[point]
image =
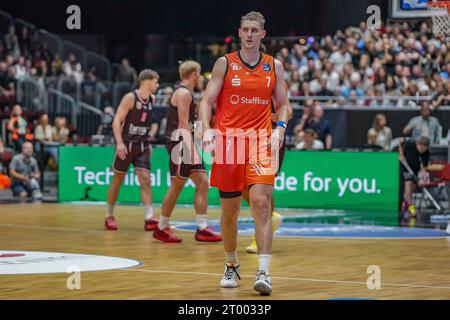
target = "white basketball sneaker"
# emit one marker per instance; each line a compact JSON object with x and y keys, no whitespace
{"x":230,"y":276}
{"x":448,"y":228}
{"x":263,"y":283}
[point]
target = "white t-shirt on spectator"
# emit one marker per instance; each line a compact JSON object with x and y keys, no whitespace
{"x":339,"y":60}
{"x":43,"y":133}
{"x":332,"y":80}
{"x":317,"y":145}
{"x":21,"y":71}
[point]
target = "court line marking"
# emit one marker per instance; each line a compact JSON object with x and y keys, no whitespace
{"x":293,"y":279}
{"x":182,"y":223}
{"x":343,"y":239}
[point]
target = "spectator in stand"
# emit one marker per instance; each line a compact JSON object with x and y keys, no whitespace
{"x":43,"y":133}
{"x":60,"y":130}
{"x":320,"y":126}
{"x":25,"y":174}
{"x":12,"y":43}
{"x":72,"y":69}
{"x":383,"y":133}
{"x":442,"y":95}
{"x":372,"y":140}
{"x":7,"y":87}
{"x":340,"y":57}
{"x":313,"y":118}
{"x":423,"y":125}
{"x":57,"y":68}
{"x":21,"y":70}
{"x":105,"y":127}
{"x":324,"y":91}
{"x":353,"y":90}
{"x":304,"y":120}
{"x":308,"y":72}
{"x":445,"y":74}
{"x":91,"y":74}
{"x":126,"y":73}
{"x":309,"y":141}
{"x":331,"y":76}
{"x":18,"y":128}
{"x":297,"y":57}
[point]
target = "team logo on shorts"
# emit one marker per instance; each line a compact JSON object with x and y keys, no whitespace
{"x":259,"y":169}
{"x":234,"y":99}
{"x":235,"y":66}
{"x":266,"y":66}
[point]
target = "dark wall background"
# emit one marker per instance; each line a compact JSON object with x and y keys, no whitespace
{"x":131,"y":28}
{"x":174,"y":17}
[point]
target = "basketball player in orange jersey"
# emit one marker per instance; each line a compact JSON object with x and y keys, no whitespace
{"x":243,"y":84}
{"x":131,"y":127}
{"x":181,"y":118}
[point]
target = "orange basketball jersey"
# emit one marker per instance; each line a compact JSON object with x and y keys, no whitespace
{"x":245,"y":99}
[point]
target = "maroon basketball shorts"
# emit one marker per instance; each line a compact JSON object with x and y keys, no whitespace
{"x":179,"y":169}
{"x":138,"y":155}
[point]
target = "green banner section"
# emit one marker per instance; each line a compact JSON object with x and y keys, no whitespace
{"x":362,"y":181}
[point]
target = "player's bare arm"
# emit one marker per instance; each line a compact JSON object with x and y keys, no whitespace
{"x":211,"y":92}
{"x":280,"y":99}
{"x":182,"y":98}
{"x":124,"y":107}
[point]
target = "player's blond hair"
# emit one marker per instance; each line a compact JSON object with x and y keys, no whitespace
{"x":187,"y":68}
{"x":147,"y":74}
{"x":254,"y":16}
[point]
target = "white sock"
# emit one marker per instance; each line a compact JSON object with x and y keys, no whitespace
{"x":148,"y":211}
{"x":264,"y":262}
{"x":232,"y":257}
{"x":163,"y":222}
{"x":202,"y":222}
{"x":109,"y":210}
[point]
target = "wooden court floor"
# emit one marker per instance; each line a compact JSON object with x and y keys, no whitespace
{"x":302,"y":268}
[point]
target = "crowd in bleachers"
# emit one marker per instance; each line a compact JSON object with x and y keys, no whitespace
{"x":396,"y":60}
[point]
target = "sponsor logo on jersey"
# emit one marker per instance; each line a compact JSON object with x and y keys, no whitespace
{"x":137,"y":130}
{"x":235,"y":99}
{"x":266,"y":67}
{"x":138,"y":105}
{"x":236,"y":82}
{"x":235,"y":66}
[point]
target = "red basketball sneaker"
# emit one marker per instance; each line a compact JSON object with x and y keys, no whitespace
{"x":207,"y":235}
{"x":151,"y":224}
{"x":165,"y":235}
{"x":110,"y":223}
